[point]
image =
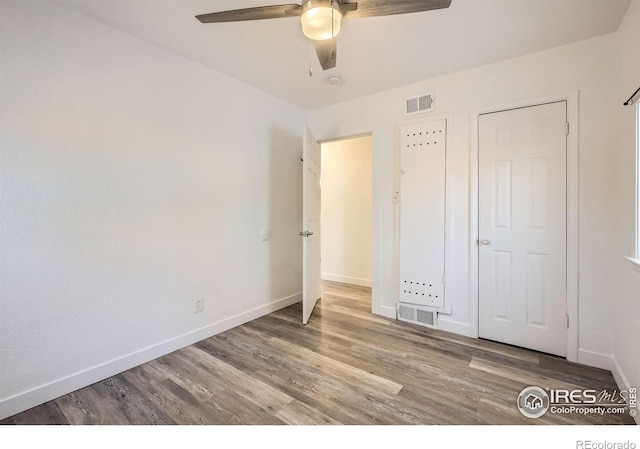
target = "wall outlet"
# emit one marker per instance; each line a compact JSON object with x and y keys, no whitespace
{"x":198,"y":305}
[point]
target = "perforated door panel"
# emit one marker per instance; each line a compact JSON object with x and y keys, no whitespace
{"x":422,"y":213}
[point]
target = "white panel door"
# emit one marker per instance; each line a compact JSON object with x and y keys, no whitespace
{"x":422,"y":213}
{"x":522,"y":227}
{"x":311,"y":223}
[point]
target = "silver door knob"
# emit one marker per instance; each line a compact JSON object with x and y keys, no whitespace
{"x":485,"y":242}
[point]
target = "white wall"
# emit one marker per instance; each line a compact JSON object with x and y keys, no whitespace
{"x":129,"y":187}
{"x":346,"y":211}
{"x":132,"y":182}
{"x":587,"y":66}
{"x":625,"y":304}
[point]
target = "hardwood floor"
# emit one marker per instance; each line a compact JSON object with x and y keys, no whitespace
{"x":346,"y":366}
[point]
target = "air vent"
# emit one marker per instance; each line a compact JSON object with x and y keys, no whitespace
{"x":419,"y":105}
{"x":406,"y":313}
{"x":427,"y":317}
{"x":424,"y":316}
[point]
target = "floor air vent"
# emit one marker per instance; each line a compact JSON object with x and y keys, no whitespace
{"x":424,"y":316}
{"x":419,"y":105}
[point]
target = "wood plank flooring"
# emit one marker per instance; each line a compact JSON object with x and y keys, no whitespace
{"x":346,"y":366}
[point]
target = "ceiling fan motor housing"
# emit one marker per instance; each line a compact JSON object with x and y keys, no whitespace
{"x":321,"y":19}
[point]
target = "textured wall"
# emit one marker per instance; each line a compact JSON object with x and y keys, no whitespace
{"x":625,"y":305}
{"x":587,"y":66}
{"x":132,"y":182}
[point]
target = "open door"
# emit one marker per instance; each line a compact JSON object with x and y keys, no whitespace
{"x":311,"y":223}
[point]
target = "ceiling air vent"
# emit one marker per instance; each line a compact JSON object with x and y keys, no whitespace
{"x":419,"y":105}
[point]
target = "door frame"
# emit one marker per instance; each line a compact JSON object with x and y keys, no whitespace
{"x":376,"y":307}
{"x":572,"y":100}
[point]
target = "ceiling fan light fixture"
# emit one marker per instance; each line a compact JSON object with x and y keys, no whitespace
{"x":321,"y":22}
{"x":321,"y":19}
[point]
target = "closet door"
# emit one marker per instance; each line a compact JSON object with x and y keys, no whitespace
{"x":522,"y":195}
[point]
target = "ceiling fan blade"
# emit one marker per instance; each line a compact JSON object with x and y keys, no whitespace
{"x":327,"y":52}
{"x":259,"y":13}
{"x":371,"y":8}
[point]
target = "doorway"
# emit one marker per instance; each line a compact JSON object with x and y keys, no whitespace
{"x":522,"y":226}
{"x":346,"y":215}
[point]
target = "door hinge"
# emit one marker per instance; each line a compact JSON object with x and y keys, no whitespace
{"x":566,"y":128}
{"x":567,"y":321}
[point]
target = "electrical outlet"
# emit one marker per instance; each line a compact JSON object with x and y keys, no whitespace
{"x":198,"y":305}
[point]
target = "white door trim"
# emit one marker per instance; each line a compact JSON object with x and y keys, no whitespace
{"x":572,"y":100}
{"x":376,"y":260}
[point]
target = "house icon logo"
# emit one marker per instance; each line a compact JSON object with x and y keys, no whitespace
{"x":533,"y":402}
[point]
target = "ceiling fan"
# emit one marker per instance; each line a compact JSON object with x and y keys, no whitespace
{"x":321,"y":19}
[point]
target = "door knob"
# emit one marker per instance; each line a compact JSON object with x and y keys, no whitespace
{"x":485,"y":242}
{"x":306,"y":233}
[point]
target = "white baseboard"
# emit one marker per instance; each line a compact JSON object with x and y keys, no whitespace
{"x":386,"y":311}
{"x":455,"y":327}
{"x":619,"y":376}
{"x":345,"y":279}
{"x":39,"y":395}
{"x":595,"y":359}
{"x":621,"y":380}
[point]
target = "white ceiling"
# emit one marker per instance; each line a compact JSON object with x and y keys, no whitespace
{"x":374,"y":54}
